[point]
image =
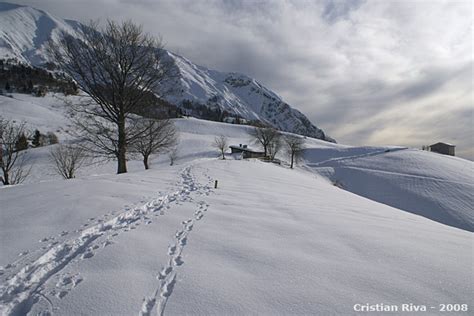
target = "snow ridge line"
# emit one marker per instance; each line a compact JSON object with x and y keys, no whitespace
{"x":17,"y":295}
{"x":339,"y":159}
{"x":167,"y":275}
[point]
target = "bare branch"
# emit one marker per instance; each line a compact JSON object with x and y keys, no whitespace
{"x":153,"y":137}
{"x":268,"y":138}
{"x":173,"y":155}
{"x":221,"y":143}
{"x":117,"y":66}
{"x":13,"y":161}
{"x":67,"y":159}
{"x":294,"y":148}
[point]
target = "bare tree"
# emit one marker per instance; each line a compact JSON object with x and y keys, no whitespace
{"x":221,"y":143}
{"x":265,"y":136}
{"x":173,"y":155}
{"x":67,"y":159}
{"x":118,"y":67}
{"x":158,"y":136}
{"x":274,"y":147}
{"x":12,"y":160}
{"x":294,"y":148}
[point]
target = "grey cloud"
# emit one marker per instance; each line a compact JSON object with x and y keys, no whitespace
{"x":367,"y":72}
{"x":339,"y":9}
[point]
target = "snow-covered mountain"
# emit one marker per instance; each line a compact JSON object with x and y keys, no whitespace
{"x":24,"y":32}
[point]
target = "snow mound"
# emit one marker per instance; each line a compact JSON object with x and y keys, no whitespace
{"x":435,"y":186}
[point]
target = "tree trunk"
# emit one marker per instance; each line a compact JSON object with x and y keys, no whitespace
{"x":5,"y":179}
{"x":223,"y":156}
{"x":145,"y":162}
{"x":122,"y":147}
{"x":292,"y":158}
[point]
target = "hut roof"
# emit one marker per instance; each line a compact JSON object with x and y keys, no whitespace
{"x":247,"y":149}
{"x":441,"y":143}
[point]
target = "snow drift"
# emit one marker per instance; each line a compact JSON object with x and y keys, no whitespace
{"x":435,"y":186}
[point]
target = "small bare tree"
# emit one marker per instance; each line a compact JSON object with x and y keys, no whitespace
{"x":221,"y":143}
{"x":157,"y":136}
{"x":118,"y":67}
{"x":67,"y":159}
{"x":173,"y":155}
{"x":294,"y":148}
{"x":274,"y":147}
{"x":13,"y":161}
{"x":265,"y":136}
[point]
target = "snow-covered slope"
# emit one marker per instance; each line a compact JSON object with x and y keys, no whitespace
{"x":24,"y":32}
{"x":239,"y":95}
{"x":47,"y":114}
{"x":267,"y":241}
{"x":435,"y":186}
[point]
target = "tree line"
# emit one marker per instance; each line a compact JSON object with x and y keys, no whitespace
{"x":21,"y":78}
{"x":271,"y":141}
{"x":66,"y":159}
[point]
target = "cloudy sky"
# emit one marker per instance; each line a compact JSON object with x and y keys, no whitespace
{"x":367,"y":72}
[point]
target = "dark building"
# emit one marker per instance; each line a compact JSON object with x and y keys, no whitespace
{"x":443,"y":148}
{"x":246,"y":152}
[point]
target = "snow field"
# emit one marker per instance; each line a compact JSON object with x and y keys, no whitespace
{"x":268,"y":240}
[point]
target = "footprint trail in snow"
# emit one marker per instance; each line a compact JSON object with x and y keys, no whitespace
{"x":24,"y":282}
{"x":167,"y":276}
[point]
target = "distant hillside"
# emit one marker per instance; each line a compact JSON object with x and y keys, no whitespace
{"x":200,"y":92}
{"x":435,"y":186}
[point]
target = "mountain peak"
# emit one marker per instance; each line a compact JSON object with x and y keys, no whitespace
{"x":25,"y":31}
{"x":5,"y":6}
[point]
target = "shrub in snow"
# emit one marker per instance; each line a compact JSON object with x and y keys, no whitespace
{"x":67,"y":159}
{"x":12,"y":161}
{"x":52,"y":138}
{"x":38,"y":139}
{"x":21,"y":143}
